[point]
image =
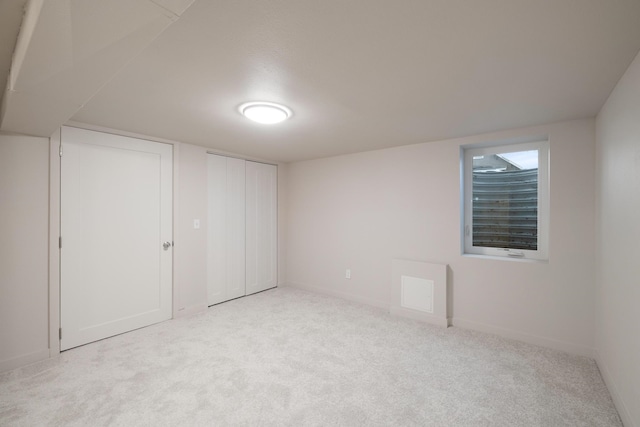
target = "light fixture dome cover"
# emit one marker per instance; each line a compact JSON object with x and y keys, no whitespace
{"x":265,"y":112}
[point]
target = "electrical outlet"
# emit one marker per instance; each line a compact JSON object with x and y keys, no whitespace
{"x":347,"y":274}
{"x":196,"y":224}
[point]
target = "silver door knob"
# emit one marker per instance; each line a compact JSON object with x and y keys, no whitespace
{"x":166,"y":245}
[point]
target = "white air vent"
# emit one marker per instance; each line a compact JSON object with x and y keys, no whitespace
{"x":417,"y":294}
{"x":419,"y":291}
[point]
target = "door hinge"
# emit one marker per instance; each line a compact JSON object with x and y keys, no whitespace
{"x":60,"y":152}
{"x":60,"y":333}
{"x":60,"y":242}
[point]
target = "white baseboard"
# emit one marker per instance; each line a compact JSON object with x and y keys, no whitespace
{"x":568,"y":347}
{"x":416,"y":315}
{"x":618,"y":401}
{"x":338,"y":294}
{"x":25,"y":359}
{"x":188,"y":311}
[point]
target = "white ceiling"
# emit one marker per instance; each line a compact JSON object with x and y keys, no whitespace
{"x":10,"y":18}
{"x":368,"y":74}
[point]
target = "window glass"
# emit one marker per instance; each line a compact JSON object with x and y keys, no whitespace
{"x":506,"y":200}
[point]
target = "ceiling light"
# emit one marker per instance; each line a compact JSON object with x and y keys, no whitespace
{"x":265,"y":112}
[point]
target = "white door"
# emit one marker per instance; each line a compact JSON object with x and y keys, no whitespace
{"x":226,"y":229}
{"x":261,"y":226}
{"x":116,"y":212}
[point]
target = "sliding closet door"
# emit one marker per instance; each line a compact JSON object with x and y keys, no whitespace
{"x":261,"y":226}
{"x":226,"y":229}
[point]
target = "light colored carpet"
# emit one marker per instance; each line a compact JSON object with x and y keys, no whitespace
{"x":289,"y":357}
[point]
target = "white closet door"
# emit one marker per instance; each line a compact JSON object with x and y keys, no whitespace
{"x":261,"y":225}
{"x":116,"y":212}
{"x":226,"y":229}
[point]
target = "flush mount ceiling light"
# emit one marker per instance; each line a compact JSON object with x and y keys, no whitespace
{"x":266,"y":113}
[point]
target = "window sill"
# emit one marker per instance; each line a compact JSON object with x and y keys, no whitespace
{"x":507,"y":258}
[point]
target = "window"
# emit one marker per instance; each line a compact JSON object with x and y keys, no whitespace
{"x":506,"y":200}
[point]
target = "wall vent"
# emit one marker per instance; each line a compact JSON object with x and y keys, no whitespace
{"x":417,"y":294}
{"x":419,"y":291}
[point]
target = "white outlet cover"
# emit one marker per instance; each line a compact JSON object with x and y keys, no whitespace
{"x":196,"y":224}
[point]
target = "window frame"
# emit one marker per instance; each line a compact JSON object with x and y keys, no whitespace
{"x":467,"y":155}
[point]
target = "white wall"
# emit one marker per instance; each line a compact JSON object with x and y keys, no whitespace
{"x":190,"y":252}
{"x":24,"y":227}
{"x":618,"y":234}
{"x":360,"y":211}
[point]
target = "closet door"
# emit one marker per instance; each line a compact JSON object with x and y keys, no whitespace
{"x":226,"y":229}
{"x":261,"y":226}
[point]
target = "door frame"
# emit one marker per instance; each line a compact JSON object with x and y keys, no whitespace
{"x":55,"y":217}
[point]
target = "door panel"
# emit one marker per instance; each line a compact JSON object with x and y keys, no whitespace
{"x":116,"y":211}
{"x":261,"y":226}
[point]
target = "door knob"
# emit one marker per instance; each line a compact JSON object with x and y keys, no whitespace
{"x":166,"y":245}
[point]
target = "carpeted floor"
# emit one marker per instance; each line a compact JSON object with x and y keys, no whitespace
{"x":289,"y":357}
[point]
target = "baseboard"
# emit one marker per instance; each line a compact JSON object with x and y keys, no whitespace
{"x":188,"y":311}
{"x":568,"y":347}
{"x":25,"y":359}
{"x":417,"y":315}
{"x":618,"y":401}
{"x":338,"y":294}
